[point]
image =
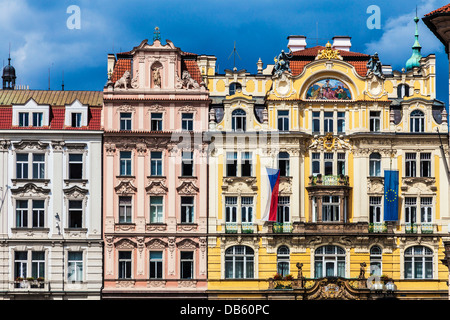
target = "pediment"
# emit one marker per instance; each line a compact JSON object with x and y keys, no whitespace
{"x":156,"y":188}
{"x":75,"y":192}
{"x":125,"y":187}
{"x":187,"y":187}
{"x":30,"y":190}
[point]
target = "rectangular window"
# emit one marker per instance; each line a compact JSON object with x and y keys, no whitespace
{"x":283,"y":120}
{"x":37,"y":119}
{"x":374,"y":121}
{"x":231,"y":164}
{"x":75,"y":166}
{"x":246,"y":164}
{"x":330,"y":208}
{"x":283,"y":215}
{"x":75,"y":266}
{"x":328,"y":121}
{"x":231,"y":209}
{"x":125,"y":121}
{"x":247,"y":209}
{"x":283,"y":164}
{"x":156,"y":265}
{"x":75,"y":214}
{"x":186,"y":164}
{"x":156,"y":209}
{"x":374,"y":209}
{"x":410,"y":210}
{"x":156,"y":122}
{"x":23,"y":119}
{"x":21,"y":213}
{"x":38,"y":166}
{"x":341,"y":122}
{"x":410,"y":165}
{"x":187,"y":264}
{"x":187,"y":121}
{"x":315,"y":163}
{"x":425,"y":164}
{"x":187,"y":209}
{"x":426,"y":209}
{"x":316,"y":122}
{"x":22,"y":165}
{"x":38,"y":213}
{"x":125,"y":163}
{"x":20,"y":264}
{"x":124,"y":264}
{"x":76,"y":119}
{"x":38,"y":264}
{"x":124,"y":209}
{"x":328,"y":164}
{"x":156,"y":163}
{"x":341,"y":164}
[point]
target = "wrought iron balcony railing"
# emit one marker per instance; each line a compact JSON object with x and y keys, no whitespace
{"x":285,"y":227}
{"x":329,"y":180}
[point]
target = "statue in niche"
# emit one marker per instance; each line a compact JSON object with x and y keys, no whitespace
{"x":156,"y":77}
{"x":374,"y":66}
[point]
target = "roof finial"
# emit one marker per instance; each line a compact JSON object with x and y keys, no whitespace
{"x":414,"y":61}
{"x":156,"y":34}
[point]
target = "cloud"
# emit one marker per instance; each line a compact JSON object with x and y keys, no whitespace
{"x":394,"y":45}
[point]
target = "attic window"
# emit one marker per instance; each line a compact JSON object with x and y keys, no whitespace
{"x":235,"y":86}
{"x":403,"y":90}
{"x":76,"y":115}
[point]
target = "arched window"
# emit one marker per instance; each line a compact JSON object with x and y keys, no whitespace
{"x":235,"y":86}
{"x":283,"y":164}
{"x":417,"y":121}
{"x":418,"y":263}
{"x":329,"y":261}
{"x":403,"y":90}
{"x":238,"y":120}
{"x":283,"y":261}
{"x":375,"y":261}
{"x":375,"y":165}
{"x":239,"y":262}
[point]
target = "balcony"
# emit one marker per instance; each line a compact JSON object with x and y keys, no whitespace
{"x":244,"y":227}
{"x":282,"y":227}
{"x":377,"y":227}
{"x":329,"y":180}
{"x":29,"y":284}
{"x":424,"y":228}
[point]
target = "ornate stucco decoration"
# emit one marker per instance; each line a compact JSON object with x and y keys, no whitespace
{"x":239,"y":184}
{"x":328,"y":53}
{"x":155,"y":108}
{"x":331,"y":289}
{"x":125,"y":244}
{"x":110,"y":149}
{"x":156,"y":187}
{"x":329,"y":142}
{"x":30,"y":145}
{"x":30,"y":190}
{"x":285,"y":185}
{"x":125,"y":108}
{"x":187,"y":244}
{"x":421,"y":185}
{"x":186,"y":81}
{"x":156,"y":244}
{"x":375,"y":185}
{"x":157,"y":143}
{"x":4,"y":145}
{"x":284,"y":87}
{"x":187,"y":187}
{"x":75,"y":192}
{"x":135,"y":80}
{"x":124,"y":81}
{"x":187,"y":108}
{"x":58,"y":145}
{"x":125,"y":187}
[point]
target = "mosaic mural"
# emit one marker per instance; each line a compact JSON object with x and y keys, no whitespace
{"x":328,"y":89}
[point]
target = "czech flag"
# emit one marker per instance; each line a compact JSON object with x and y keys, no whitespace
{"x":272,"y":198}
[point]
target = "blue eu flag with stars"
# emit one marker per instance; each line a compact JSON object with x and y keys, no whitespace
{"x":390,"y":195}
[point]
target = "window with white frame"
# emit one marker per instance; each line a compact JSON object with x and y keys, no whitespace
{"x":341,"y":163}
{"x":30,"y":114}
{"x":24,"y":120}
{"x":410,"y":165}
{"x":29,"y":264}
{"x":328,"y":163}
{"x":38,"y":264}
{"x":239,"y":262}
{"x":238,"y":120}
{"x":20,"y":264}
{"x":75,"y":214}
{"x":283,"y":164}
{"x":374,"y":121}
{"x":37,"y":119}
{"x":315,"y":163}
{"x":283,"y":261}
{"x":341,"y":122}
{"x":187,"y":264}
{"x":22,"y":165}
{"x":425,"y":164}
{"x":329,"y":261}
{"x":231,"y":207}
{"x":21,"y":213}
{"x":156,"y":122}
{"x":283,"y":120}
{"x":426,"y":209}
{"x":156,"y":163}
{"x":125,"y":121}
{"x":156,"y":265}
{"x":125,"y":209}
{"x":156,"y":209}
{"x":37,"y":161}
{"x":187,"y":121}
{"x":38,"y":165}
{"x":76,"y":166}
{"x":330,"y":208}
{"x":410,"y":210}
{"x":125,"y":265}
{"x":417,"y":121}
{"x":283,"y":210}
{"x":328,"y":122}
{"x":375,"y":210}
{"x":375,"y":165}
{"x":187,"y":209}
{"x":247,"y":209}
{"x":187,"y":165}
{"x":125,"y":163}
{"x":38,"y":218}
{"x":376,"y":263}
{"x":316,"y":122}
{"x":75,"y":266}
{"x":76,"y":115}
{"x":418,"y":263}
{"x":242,"y":166}
{"x":76,"y":119}
{"x":231,"y":163}
{"x":246,"y":164}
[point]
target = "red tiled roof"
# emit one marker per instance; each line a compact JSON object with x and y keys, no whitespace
{"x":57,"y":117}
{"x":312,"y":52}
{"x":444,"y":9}
{"x":121,"y":66}
{"x":192,"y":67}
{"x":5,"y":117}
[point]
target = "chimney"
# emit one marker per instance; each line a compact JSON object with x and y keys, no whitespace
{"x":296,"y":43}
{"x":342,"y":43}
{"x":111,"y":64}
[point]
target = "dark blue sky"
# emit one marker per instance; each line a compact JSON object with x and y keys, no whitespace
{"x":41,"y":41}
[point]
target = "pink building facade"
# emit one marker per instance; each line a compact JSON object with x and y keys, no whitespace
{"x":155,"y":174}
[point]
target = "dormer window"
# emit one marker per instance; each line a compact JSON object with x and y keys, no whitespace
{"x":235,"y":87}
{"x":403,"y":90}
{"x":23,"y":119}
{"x":417,"y":121}
{"x":76,"y":115}
{"x":238,"y":119}
{"x":30,"y":114}
{"x":37,"y":119}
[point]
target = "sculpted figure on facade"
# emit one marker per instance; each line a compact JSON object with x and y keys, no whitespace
{"x":124,"y":81}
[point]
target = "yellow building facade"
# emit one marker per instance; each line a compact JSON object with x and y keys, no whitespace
{"x":333,"y":122}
